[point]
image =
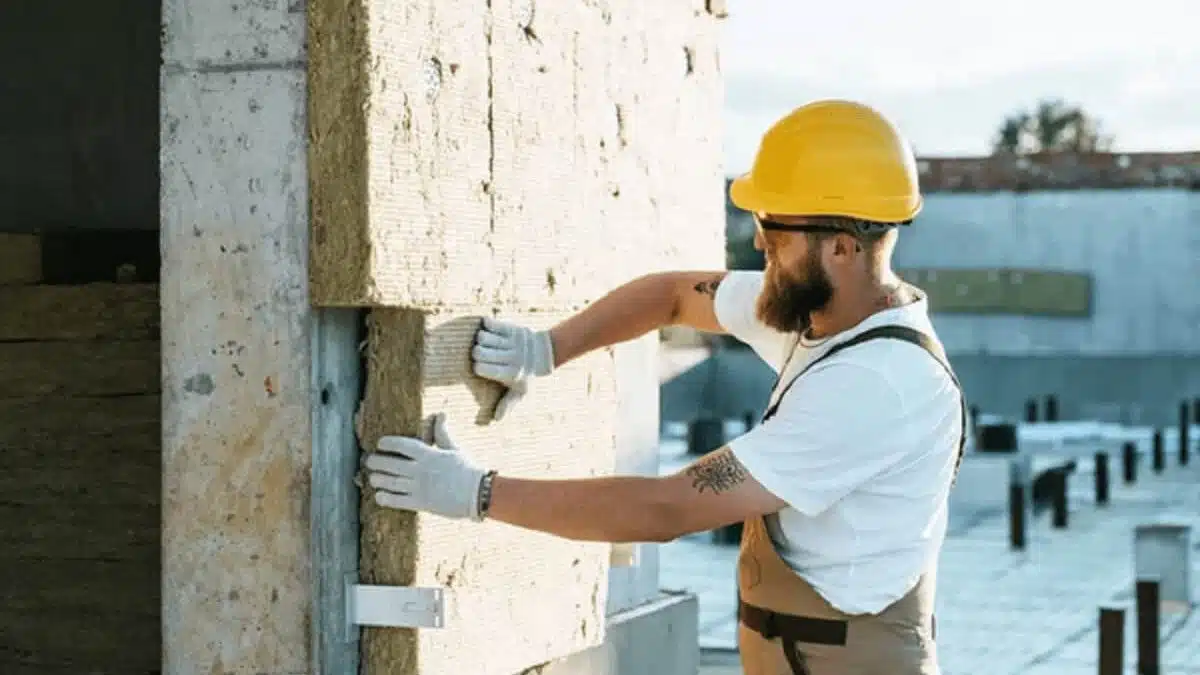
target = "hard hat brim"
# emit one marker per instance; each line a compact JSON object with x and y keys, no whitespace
{"x":748,"y":197}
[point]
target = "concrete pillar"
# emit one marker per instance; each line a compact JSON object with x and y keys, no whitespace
{"x":633,"y":580}
{"x":1163,"y":553}
{"x":242,"y":591}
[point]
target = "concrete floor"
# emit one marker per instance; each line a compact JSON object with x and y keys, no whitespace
{"x":1012,"y":613}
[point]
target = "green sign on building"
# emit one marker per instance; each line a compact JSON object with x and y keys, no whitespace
{"x":1004,"y":291}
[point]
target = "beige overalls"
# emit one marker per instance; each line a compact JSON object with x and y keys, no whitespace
{"x":787,"y":628}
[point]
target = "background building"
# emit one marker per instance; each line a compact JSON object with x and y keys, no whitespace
{"x":1074,"y":275}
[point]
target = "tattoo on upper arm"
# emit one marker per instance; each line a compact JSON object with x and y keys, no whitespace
{"x":717,"y":473}
{"x":708,"y":287}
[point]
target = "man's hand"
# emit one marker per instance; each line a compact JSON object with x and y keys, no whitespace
{"x":511,"y":355}
{"x":412,"y":475}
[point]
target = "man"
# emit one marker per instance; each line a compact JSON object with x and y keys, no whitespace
{"x":843,"y":486}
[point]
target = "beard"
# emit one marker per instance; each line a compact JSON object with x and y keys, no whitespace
{"x":786,"y":302}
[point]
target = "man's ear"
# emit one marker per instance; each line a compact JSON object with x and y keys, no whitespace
{"x":844,"y":244}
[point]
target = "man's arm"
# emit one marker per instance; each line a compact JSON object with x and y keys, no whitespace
{"x":645,"y":304}
{"x":712,"y":492}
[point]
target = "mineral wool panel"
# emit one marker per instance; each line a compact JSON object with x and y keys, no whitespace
{"x":400,"y":154}
{"x":533,"y":157}
{"x":519,"y":598}
{"x":606,"y":128}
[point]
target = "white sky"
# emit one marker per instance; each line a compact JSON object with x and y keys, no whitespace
{"x":948,"y":71}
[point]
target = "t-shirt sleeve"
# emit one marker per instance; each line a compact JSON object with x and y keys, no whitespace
{"x":734,"y":305}
{"x":822,"y":445}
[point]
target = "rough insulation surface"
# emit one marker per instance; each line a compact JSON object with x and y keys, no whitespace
{"x":530,"y":157}
{"x":400,"y":153}
{"x":517,"y":598}
{"x":519,"y":156}
{"x":607,"y":137}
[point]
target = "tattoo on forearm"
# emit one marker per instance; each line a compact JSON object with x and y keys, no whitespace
{"x":717,"y":473}
{"x":708,"y":287}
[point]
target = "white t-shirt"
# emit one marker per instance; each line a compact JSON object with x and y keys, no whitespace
{"x":862,"y":448}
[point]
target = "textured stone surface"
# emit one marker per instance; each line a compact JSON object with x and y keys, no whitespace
{"x":533,"y":157}
{"x":518,"y":598}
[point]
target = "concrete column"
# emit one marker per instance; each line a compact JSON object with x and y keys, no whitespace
{"x":631,"y":585}
{"x":1163,"y":553}
{"x":238,"y":578}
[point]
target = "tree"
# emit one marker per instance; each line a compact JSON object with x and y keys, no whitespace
{"x":1052,"y":126}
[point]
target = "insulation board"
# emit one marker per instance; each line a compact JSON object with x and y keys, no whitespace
{"x":519,"y":598}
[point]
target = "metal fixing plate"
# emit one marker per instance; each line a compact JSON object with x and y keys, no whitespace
{"x":395,"y":606}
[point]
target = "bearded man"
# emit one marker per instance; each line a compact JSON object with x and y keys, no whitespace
{"x":842,"y":487}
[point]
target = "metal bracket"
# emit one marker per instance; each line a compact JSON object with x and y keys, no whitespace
{"x":394,"y":606}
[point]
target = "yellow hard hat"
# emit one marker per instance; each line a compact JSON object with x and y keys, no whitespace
{"x":832,"y":158}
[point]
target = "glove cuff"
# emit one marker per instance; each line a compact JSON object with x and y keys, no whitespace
{"x":543,"y":353}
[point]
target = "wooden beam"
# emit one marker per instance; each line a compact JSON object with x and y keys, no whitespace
{"x":70,"y":369}
{"x":100,"y":311}
{"x":20,"y":259}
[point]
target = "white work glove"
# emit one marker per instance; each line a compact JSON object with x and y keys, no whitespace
{"x":511,"y":355}
{"x":412,"y":475}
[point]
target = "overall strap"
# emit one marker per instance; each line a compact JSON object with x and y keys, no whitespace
{"x":906,"y":334}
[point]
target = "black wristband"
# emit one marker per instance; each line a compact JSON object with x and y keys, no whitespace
{"x":485,"y":493}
